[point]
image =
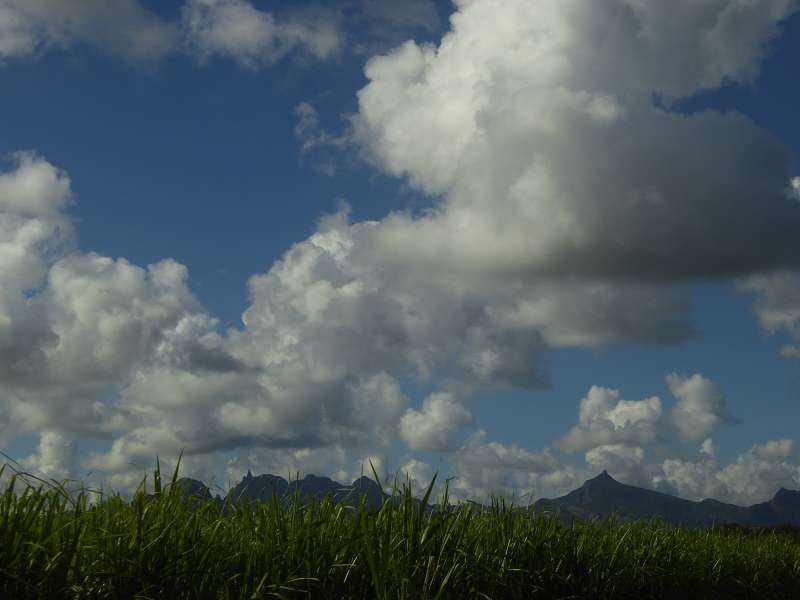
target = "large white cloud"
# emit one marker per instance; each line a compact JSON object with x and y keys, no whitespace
{"x":537,"y":125}
{"x":73,"y":326}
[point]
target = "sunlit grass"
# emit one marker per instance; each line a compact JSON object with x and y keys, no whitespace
{"x":56,"y":544}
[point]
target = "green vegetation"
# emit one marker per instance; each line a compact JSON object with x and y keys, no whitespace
{"x":163,"y":545}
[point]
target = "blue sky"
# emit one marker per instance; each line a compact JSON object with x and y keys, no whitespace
{"x":511,"y":265}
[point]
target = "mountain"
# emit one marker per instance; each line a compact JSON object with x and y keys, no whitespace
{"x":257,"y":488}
{"x":603,"y":497}
{"x":261,"y":488}
{"x":600,"y":497}
{"x":193,"y":488}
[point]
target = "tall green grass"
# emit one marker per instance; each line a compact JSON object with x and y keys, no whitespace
{"x":56,"y":544}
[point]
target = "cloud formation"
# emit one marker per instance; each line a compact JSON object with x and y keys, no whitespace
{"x":552,"y":158}
{"x":605,"y":420}
{"x":568,"y":208}
{"x":124,"y":28}
{"x":433,"y":427}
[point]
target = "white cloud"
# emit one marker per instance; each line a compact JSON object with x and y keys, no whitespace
{"x":535,"y":89}
{"x":605,"y":420}
{"x":434,"y":427}
{"x":35,"y":188}
{"x":121,"y":27}
{"x":73,"y":326}
{"x":55,"y":457}
{"x":483,"y":468}
{"x":254,"y":38}
{"x":700,"y":408}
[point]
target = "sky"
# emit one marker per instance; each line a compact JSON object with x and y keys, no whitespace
{"x":514,"y":243}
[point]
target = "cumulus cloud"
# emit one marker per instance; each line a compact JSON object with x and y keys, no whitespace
{"x":700,"y":408}
{"x":531,"y":92}
{"x":434,"y":427}
{"x":605,"y":420}
{"x":124,"y":28}
{"x":73,"y":326}
{"x":254,"y":38}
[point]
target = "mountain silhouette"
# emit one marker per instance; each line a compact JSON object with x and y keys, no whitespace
{"x":603,"y":497}
{"x":261,"y":488}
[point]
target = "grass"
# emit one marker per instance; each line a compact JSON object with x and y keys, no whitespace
{"x":55,"y":544}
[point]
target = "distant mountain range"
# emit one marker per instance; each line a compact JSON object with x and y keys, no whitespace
{"x":603,"y":497}
{"x":598,"y":498}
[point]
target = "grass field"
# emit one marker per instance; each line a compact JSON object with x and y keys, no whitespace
{"x":162,"y":545}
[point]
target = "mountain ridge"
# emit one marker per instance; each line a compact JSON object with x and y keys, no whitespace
{"x":603,"y":497}
{"x":600,"y":497}
{"x":262,"y":488}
